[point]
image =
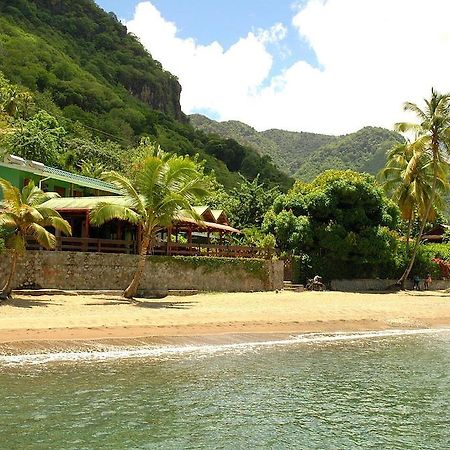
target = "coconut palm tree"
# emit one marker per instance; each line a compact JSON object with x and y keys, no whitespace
{"x":407,"y":178}
{"x":22,"y":215}
{"x":432,"y":134}
{"x":164,"y":185}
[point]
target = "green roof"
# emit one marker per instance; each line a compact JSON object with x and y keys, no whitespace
{"x":17,"y":163}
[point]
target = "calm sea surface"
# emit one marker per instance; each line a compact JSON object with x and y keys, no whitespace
{"x":378,"y":392}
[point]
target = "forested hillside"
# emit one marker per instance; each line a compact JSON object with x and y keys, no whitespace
{"x":305,"y":155}
{"x":100,"y":87}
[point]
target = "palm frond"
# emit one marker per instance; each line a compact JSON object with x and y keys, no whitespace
{"x":58,"y":223}
{"x":31,"y":214}
{"x":126,"y":188}
{"x":405,"y":127}
{"x":42,"y":236}
{"x":10,"y":193}
{"x":9,"y":220}
{"x":151,"y":180}
{"x":104,"y":212}
{"x":409,"y":106}
{"x":37,"y":197}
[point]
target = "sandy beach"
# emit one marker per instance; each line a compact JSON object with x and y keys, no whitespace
{"x":52,"y":322}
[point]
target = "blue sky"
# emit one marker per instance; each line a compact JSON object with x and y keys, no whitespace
{"x":325,"y":66}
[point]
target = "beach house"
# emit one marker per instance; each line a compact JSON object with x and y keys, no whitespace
{"x":79,"y":195}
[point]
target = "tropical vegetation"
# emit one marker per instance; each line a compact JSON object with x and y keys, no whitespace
{"x":22,"y":216}
{"x":431,"y":141}
{"x":408,"y":178}
{"x":163,"y":187}
{"x":341,"y":225}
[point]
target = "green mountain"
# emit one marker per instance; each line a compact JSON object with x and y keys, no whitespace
{"x":82,"y":67}
{"x":305,"y":155}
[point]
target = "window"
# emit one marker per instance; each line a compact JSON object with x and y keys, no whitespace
{"x":60,"y":190}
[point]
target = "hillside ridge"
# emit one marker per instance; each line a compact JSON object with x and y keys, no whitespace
{"x":304,"y":154}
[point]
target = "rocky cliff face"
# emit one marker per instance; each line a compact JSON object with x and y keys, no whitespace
{"x":91,"y":41}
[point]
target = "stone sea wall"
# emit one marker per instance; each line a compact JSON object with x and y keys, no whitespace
{"x":86,"y":271}
{"x":362,"y":285}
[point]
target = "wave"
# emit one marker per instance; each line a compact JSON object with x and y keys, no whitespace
{"x":168,"y":351}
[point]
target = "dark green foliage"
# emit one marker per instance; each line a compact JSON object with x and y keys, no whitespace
{"x":341,"y":226}
{"x":255,"y":267}
{"x":305,"y":155}
{"x":82,"y":66}
{"x":246,"y":204}
{"x":424,"y":264}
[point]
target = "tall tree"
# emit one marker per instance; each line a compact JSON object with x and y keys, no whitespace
{"x":23,"y":215}
{"x":164,"y":186}
{"x":432,"y":137}
{"x":408,"y":178}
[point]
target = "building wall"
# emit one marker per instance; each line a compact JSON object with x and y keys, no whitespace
{"x":17,"y":178}
{"x":79,"y":271}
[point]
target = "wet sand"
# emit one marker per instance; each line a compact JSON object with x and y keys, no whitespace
{"x":84,"y":322}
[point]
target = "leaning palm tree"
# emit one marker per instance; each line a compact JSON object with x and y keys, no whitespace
{"x":433,"y":139}
{"x":408,"y":178}
{"x":164,"y":185}
{"x":22,"y":215}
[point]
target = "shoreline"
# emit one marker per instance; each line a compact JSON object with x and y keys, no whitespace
{"x":156,"y":346}
{"x":51,"y":324}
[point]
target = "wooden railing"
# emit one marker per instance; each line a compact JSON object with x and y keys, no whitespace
{"x":224,"y":251}
{"x":75,"y":244}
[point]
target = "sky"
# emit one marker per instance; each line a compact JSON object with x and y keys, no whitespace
{"x":324,"y":66}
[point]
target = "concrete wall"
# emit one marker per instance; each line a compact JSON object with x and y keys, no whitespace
{"x":79,"y":271}
{"x":362,"y":285}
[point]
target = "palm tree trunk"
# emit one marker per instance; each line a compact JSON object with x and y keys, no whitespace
{"x":408,"y":235}
{"x":131,"y":290}
{"x":405,"y":275}
{"x":7,"y":288}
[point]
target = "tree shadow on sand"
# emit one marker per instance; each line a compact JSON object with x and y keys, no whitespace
{"x":144,"y":303}
{"x":25,"y":303}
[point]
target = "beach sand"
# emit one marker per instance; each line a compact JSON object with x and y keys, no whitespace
{"x":63,"y":322}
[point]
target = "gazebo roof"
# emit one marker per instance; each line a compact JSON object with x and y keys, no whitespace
{"x":220,"y":216}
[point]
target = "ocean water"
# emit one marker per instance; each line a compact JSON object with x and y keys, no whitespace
{"x":361,"y":391}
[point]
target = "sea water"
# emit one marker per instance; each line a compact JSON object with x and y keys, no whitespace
{"x":343,"y":391}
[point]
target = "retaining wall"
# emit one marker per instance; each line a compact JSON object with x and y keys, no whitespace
{"x":79,"y":271}
{"x":362,"y":285}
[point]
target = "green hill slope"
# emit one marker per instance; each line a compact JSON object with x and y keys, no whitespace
{"x":363,"y":151}
{"x":305,"y":155}
{"x":82,"y":66}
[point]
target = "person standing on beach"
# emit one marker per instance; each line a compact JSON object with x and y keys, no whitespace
{"x":416,"y":281}
{"x":427,"y":282}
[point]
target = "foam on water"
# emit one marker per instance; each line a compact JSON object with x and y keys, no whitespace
{"x":168,"y":351}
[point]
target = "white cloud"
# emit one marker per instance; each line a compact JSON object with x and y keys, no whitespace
{"x":211,"y":76}
{"x":373,"y":54}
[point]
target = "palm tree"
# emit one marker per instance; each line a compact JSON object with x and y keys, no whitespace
{"x":432,"y":139}
{"x":22,"y":215}
{"x":407,"y":178}
{"x":164,"y":186}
